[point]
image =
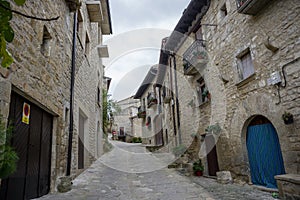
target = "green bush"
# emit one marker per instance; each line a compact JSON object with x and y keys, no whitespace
{"x":139,"y":140}
{"x":136,"y":140}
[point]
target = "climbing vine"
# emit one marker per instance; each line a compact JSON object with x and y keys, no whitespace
{"x":6,"y":31}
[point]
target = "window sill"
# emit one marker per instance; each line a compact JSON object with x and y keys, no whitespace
{"x":246,"y":80}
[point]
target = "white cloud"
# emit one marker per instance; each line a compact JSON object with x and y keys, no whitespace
{"x":138,"y":27}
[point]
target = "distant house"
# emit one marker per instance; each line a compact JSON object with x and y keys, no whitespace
{"x":126,"y":123}
{"x":150,"y":110}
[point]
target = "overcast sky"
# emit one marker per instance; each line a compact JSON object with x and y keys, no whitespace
{"x":138,"y":27}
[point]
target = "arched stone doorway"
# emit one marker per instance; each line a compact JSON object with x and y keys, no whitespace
{"x":264,"y":152}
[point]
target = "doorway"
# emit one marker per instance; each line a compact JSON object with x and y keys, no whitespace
{"x":212,"y":158}
{"x":264,"y":152}
{"x":81,"y":141}
{"x":32,"y":141}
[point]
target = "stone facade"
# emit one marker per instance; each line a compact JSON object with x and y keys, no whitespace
{"x":127,"y":118}
{"x":151,"y":104}
{"x":234,"y":101}
{"x":42,"y":54}
{"x":271,"y":38}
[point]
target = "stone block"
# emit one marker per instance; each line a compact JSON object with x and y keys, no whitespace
{"x":65,"y":184}
{"x":288,"y":186}
{"x":224,"y":177}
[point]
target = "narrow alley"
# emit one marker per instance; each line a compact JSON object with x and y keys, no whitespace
{"x":100,"y":182}
{"x":150,"y":100}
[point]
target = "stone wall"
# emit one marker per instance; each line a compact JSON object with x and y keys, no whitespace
{"x":43,"y":76}
{"x":240,"y":101}
{"x":127,"y":117}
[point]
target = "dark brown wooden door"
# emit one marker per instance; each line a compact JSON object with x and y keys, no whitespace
{"x":212,"y":158}
{"x":33,"y":145}
{"x":81,"y":143}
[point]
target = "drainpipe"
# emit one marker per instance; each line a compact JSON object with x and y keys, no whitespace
{"x":72,"y":95}
{"x":173,"y":106}
{"x":176,"y":99}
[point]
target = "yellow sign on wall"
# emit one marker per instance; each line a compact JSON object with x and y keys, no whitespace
{"x":26,"y":113}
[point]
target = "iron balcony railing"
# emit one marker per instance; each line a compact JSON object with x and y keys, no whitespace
{"x":141,"y":112}
{"x":251,"y":7}
{"x":151,"y":99}
{"x":195,"y":58}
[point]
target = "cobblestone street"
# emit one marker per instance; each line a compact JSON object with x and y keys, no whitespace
{"x":100,"y":182}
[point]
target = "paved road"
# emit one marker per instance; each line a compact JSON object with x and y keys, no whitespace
{"x":138,"y":181}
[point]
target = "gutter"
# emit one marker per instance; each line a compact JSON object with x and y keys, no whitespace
{"x":73,"y":62}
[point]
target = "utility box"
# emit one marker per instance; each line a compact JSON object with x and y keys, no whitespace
{"x":274,"y":79}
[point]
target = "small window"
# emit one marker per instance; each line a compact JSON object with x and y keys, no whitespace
{"x":203,"y":94}
{"x":198,"y":34}
{"x":245,"y":65}
{"x":223,"y":11}
{"x":46,"y":47}
{"x":144,"y":103}
{"x":80,"y":25}
{"x":87,"y":45}
{"x":67,"y":115}
{"x":99,"y":97}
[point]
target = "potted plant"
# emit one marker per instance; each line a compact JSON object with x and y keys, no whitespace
{"x":287,"y":118}
{"x":206,"y":94}
{"x":198,"y":168}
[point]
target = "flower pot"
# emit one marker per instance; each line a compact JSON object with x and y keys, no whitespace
{"x":198,"y":173}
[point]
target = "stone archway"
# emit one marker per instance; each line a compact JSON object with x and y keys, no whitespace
{"x":235,"y":157}
{"x":262,"y":151}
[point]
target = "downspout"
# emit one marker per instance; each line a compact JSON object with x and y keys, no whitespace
{"x":72,"y":94}
{"x":176,"y":99}
{"x":173,"y":106}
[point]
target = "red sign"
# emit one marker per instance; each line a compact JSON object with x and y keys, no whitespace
{"x":26,"y":113}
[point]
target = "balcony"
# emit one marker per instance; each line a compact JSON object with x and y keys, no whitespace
{"x":195,"y":58}
{"x":251,"y":7}
{"x":141,"y":112}
{"x":151,"y":100}
{"x":166,"y":95}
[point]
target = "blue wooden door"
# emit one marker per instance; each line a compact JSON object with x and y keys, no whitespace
{"x":264,"y":155}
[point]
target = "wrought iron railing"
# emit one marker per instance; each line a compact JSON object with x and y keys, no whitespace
{"x":195,"y":57}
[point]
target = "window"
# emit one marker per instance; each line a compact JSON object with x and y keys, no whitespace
{"x":87,"y":45}
{"x":198,"y":34}
{"x":45,"y":47}
{"x":203,"y":94}
{"x":223,"y":11}
{"x":144,"y":103}
{"x":99,"y":97}
{"x":245,"y":65}
{"x":80,"y":25}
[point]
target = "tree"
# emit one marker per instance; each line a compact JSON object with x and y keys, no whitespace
{"x":110,"y":108}
{"x":6,"y":31}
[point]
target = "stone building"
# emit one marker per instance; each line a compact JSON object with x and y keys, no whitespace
{"x":126,"y":123}
{"x":150,"y":110}
{"x":242,"y":56}
{"x":35,"y":92}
